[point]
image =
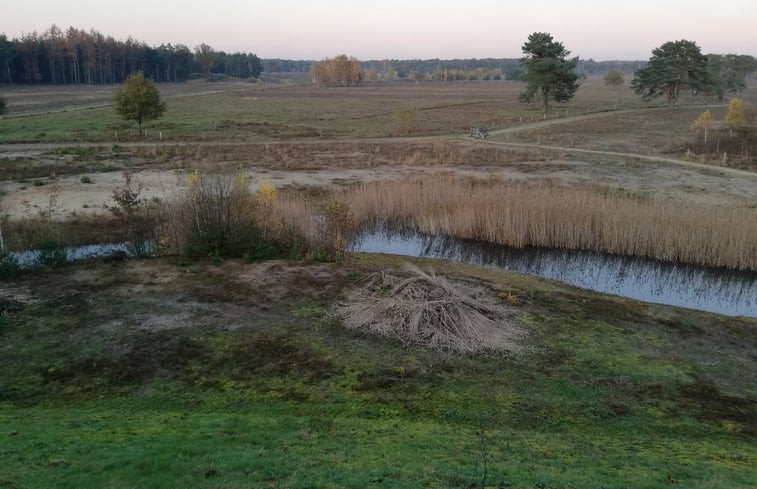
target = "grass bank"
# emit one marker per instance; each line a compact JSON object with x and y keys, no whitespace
{"x":155,"y":374}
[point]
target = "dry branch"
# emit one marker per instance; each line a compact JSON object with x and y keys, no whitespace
{"x":424,"y":309}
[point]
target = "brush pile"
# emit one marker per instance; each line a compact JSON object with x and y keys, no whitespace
{"x":426,"y":310}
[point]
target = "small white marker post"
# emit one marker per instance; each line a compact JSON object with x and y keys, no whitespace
{"x":160,"y":135}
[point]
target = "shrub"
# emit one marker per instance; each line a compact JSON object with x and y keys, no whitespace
{"x":9,"y":266}
{"x":51,"y":253}
{"x":218,"y":214}
{"x":85,"y":179}
{"x":136,"y":218}
{"x":338,"y":229}
{"x":259,"y":249}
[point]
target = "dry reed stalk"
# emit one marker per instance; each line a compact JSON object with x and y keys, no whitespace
{"x":423,"y":309}
{"x":546,"y":215}
{"x":299,"y":212}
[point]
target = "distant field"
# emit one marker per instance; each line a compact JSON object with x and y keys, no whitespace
{"x":654,"y":132}
{"x":250,"y":112}
{"x":24,"y":99}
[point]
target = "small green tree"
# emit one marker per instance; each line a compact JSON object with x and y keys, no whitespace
{"x":549,"y":73}
{"x":614,"y":78}
{"x":673,"y":68}
{"x":139,"y":100}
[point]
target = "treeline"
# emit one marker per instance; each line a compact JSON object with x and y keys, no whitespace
{"x":435,"y":68}
{"x":76,"y":56}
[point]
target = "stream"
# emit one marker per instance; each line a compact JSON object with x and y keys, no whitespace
{"x":720,"y":291}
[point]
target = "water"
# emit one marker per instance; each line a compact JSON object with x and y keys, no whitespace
{"x":30,"y":258}
{"x":706,"y":289}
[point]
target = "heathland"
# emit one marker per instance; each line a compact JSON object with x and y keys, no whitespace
{"x":197,"y":369}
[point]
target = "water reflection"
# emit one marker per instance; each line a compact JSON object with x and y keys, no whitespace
{"x":706,"y":289}
{"x":30,"y":258}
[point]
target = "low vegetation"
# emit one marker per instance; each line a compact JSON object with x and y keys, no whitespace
{"x":519,"y":215}
{"x":156,"y":373}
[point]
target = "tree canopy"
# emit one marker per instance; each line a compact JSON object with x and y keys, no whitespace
{"x":549,"y":73}
{"x":139,"y":100}
{"x":728,"y":72}
{"x":674,"y":67}
{"x":614,"y":78}
{"x":76,"y":56}
{"x":340,"y":71}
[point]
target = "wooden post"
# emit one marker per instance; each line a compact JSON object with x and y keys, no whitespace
{"x":725,"y":158}
{"x":160,"y":135}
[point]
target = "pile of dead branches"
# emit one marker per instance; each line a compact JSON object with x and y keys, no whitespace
{"x":427,"y":310}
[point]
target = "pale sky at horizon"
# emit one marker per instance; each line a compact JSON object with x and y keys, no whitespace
{"x":402,"y":29}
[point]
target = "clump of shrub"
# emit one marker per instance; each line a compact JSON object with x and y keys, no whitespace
{"x":51,"y":253}
{"x":219,"y":216}
{"x":85,"y":179}
{"x":135,"y":217}
{"x":9,"y":266}
{"x":337,"y":229}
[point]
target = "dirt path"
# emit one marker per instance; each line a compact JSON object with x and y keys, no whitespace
{"x":632,"y":156}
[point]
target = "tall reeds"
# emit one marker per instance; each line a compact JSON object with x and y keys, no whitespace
{"x":548,"y":215}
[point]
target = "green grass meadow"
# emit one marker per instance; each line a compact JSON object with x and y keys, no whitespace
{"x":249,"y":392}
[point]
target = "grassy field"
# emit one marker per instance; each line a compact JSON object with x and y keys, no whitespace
{"x":249,"y":112}
{"x":659,"y":132}
{"x":168,"y":375}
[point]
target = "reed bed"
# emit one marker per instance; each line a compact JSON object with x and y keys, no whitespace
{"x":548,"y":215}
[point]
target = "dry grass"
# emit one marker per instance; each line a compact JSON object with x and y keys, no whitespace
{"x":319,"y":155}
{"x":426,"y":310}
{"x":518,"y":214}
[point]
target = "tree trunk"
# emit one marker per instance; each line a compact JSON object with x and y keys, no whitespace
{"x":545,"y":96}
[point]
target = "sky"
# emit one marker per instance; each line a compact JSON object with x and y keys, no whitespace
{"x":402,"y":29}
